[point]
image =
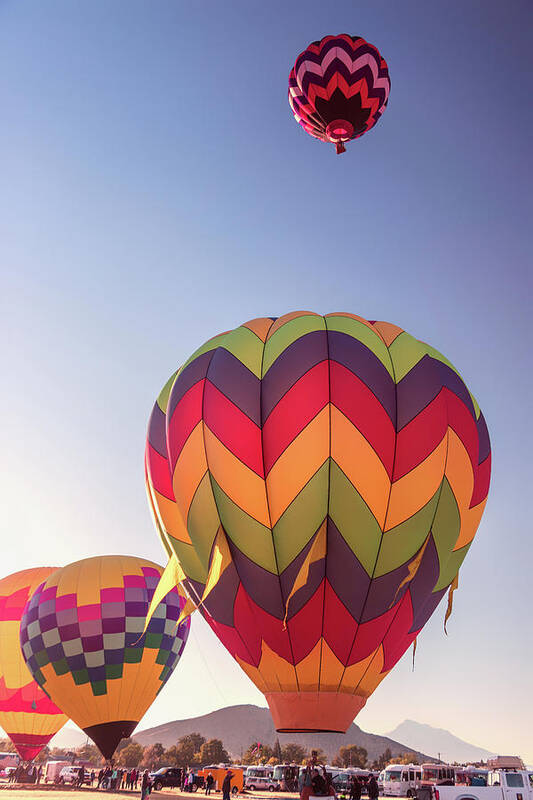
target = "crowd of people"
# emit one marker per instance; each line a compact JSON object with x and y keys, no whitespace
{"x":117,"y":778}
{"x":315,"y":781}
{"x":26,"y":774}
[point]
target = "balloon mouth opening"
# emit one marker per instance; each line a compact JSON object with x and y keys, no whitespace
{"x":313,"y":712}
{"x":310,"y":730}
{"x":340,"y":130}
{"x":107,"y":735}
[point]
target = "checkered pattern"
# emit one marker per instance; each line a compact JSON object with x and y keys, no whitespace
{"x":93,"y":642}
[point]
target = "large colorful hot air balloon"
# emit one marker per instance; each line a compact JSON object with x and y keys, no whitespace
{"x":27,"y":715}
{"x":339,"y":88}
{"x":318,"y":481}
{"x":82,"y":638}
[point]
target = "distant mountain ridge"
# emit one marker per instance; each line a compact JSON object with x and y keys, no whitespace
{"x":438,"y":740}
{"x":238,"y":726}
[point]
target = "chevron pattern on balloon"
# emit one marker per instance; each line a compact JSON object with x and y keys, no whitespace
{"x":347,"y":466}
{"x":339,"y":88}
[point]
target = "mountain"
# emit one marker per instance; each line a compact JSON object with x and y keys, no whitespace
{"x":69,"y":738}
{"x":238,"y":726}
{"x":437,"y":740}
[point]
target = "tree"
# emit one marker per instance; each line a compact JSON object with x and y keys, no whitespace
{"x":266,"y":754}
{"x":213,"y":752}
{"x":7,"y":746}
{"x":58,"y":754}
{"x":407,"y":758}
{"x":384,"y":759}
{"x":277,"y":752}
{"x":131,"y":755}
{"x":153,"y":756}
{"x":90,"y":753}
{"x":43,"y":756}
{"x":122,"y":744}
{"x":350,"y":755}
{"x":320,"y":756}
{"x":292,"y":753}
{"x":186,"y":752}
{"x":257,"y":753}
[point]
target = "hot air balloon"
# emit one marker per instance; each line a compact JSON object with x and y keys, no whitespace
{"x":339,"y":88}
{"x":318,"y":481}
{"x":82,"y":639}
{"x":27,"y":715}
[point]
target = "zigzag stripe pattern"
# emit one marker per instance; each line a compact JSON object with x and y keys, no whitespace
{"x":286,"y":433}
{"x":339,"y":88}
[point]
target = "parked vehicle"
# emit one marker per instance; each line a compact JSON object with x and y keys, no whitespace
{"x":9,"y":760}
{"x":218,"y":773}
{"x":401,"y":780}
{"x":71,"y":774}
{"x":437,"y":775}
{"x":502,"y":785}
{"x":363,"y":776}
{"x":341,"y":783}
{"x":471,"y":776}
{"x":168,"y":776}
{"x":8,"y":771}
{"x":52,"y":770}
{"x":260,"y":778}
{"x":286,"y":776}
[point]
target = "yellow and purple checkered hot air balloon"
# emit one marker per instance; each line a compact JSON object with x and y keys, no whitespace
{"x":27,"y":715}
{"x":82,"y":639}
{"x":318,"y":481}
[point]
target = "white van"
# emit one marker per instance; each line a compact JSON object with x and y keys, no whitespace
{"x":52,"y":770}
{"x":260,"y":778}
{"x":71,"y":774}
{"x":401,"y":780}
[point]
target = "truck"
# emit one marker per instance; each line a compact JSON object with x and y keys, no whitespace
{"x":219,"y":773}
{"x":502,"y":785}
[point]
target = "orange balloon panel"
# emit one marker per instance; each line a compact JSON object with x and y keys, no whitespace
{"x":27,"y":715}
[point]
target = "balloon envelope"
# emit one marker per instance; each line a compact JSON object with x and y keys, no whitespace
{"x":339,"y":88}
{"x":27,"y":715}
{"x":82,"y":638}
{"x":319,"y":480}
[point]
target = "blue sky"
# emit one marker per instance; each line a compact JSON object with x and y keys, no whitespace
{"x":156,"y":190}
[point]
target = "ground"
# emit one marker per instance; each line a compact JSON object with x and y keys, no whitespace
{"x":32,"y":792}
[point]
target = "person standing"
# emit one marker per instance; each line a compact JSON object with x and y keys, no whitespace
{"x":226,"y":785}
{"x":145,"y":785}
{"x":355,"y":788}
{"x":209,"y":781}
{"x":373,"y":789}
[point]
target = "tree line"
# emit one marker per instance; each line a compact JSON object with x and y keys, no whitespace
{"x":193,"y":750}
